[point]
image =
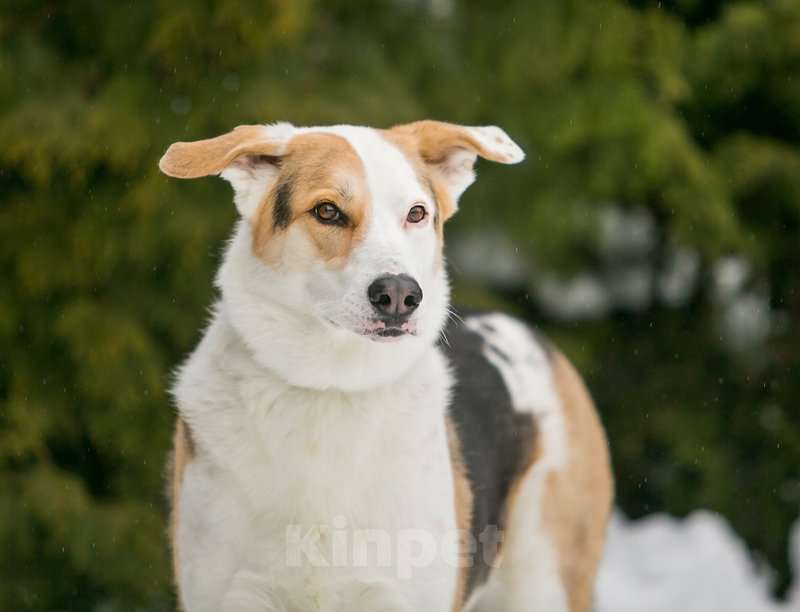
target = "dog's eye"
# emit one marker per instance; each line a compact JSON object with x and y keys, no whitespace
{"x":328,"y":212}
{"x":416,"y":214}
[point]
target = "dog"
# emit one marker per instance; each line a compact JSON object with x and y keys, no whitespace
{"x":343,"y":441}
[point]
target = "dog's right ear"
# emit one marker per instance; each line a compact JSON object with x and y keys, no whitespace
{"x":247,"y":157}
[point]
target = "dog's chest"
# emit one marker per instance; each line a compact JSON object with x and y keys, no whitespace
{"x":312,"y":456}
{"x":278,"y":469}
{"x":376,"y":458}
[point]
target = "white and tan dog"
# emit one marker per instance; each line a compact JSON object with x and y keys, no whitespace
{"x":330,"y":453}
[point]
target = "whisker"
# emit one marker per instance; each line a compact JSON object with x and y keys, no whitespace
{"x":454,"y":316}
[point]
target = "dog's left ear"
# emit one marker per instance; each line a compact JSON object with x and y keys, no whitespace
{"x":450,"y":152}
{"x":247,"y":157}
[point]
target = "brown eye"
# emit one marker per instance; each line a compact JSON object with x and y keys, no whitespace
{"x":416,"y":214}
{"x":328,"y":212}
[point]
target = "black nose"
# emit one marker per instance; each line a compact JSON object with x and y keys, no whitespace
{"x":396,"y":295}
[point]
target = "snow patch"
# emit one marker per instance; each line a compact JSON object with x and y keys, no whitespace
{"x":662,"y":564}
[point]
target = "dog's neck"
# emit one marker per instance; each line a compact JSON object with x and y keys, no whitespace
{"x":356,"y":373}
{"x":324,"y":359}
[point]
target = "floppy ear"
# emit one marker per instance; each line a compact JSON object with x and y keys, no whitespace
{"x":450,"y":151}
{"x":247,"y":157}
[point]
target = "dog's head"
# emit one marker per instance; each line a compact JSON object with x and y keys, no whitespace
{"x":335,"y":277}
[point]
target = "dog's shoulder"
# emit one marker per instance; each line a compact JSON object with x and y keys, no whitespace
{"x":498,"y":361}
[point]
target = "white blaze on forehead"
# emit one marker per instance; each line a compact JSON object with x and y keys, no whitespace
{"x":390,"y":177}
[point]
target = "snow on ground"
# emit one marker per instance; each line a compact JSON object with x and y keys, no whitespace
{"x":662,"y":564}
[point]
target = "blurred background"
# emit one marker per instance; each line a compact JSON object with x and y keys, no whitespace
{"x":652,"y":232}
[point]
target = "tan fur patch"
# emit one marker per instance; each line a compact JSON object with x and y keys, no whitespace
{"x":463,"y":505}
{"x":182,"y":455}
{"x":211,"y":156}
{"x":315,"y":167}
{"x":408,"y":144}
{"x":430,"y":146}
{"x":435,"y":139}
{"x":577,"y":500}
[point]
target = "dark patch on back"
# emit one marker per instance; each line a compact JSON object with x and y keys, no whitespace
{"x":281,"y":211}
{"x":497,"y":443}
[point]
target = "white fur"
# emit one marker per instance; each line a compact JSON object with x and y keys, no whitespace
{"x":272,"y":455}
{"x":528,"y":577}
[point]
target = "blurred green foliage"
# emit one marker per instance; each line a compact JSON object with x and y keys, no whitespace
{"x":687,"y":109}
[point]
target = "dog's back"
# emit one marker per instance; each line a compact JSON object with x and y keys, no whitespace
{"x":535,"y":466}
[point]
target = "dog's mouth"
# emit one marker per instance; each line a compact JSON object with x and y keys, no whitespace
{"x":381,"y":330}
{"x":388,"y":331}
{"x":388,"y":335}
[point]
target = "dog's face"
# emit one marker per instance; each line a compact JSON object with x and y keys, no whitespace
{"x":335,"y":276}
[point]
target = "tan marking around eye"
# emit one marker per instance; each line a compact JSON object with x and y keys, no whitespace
{"x":317,"y":166}
{"x":407,"y":143}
